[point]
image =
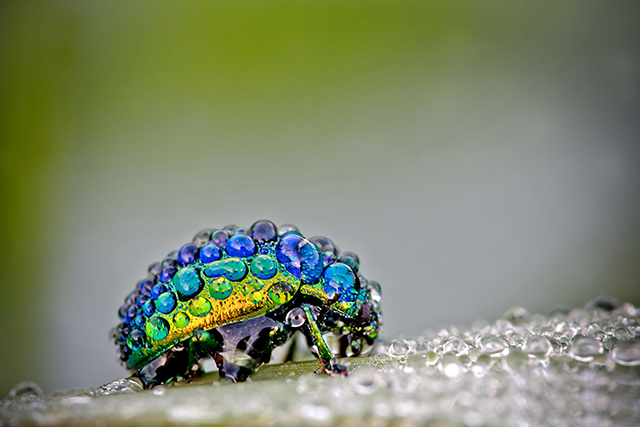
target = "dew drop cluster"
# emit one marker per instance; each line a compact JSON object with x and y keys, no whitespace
{"x":577,"y":367}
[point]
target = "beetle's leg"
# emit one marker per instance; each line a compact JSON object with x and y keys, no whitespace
{"x":328,"y":364}
{"x":247,"y":345}
{"x":178,"y":363}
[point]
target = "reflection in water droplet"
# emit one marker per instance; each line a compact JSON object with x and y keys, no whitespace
{"x":399,"y":348}
{"x":493,"y":384}
{"x":423,"y":346}
{"x":123,"y":386}
{"x":537,"y":346}
{"x":516,"y":314}
{"x":493,"y":345}
{"x":26,"y":389}
{"x":450,"y":366}
{"x":584,"y":349}
{"x":516,"y":358}
{"x":456,"y":346}
{"x":626,"y":353}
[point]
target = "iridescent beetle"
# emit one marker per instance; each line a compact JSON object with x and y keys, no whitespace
{"x":235,"y":295}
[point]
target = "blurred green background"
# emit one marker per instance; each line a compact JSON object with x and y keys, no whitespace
{"x":476,"y":155}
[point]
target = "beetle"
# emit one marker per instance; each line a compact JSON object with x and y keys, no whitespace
{"x":235,"y":294}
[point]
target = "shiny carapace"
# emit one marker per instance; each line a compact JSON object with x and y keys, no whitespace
{"x":235,"y":294}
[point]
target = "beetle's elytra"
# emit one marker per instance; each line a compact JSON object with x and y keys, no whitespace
{"x":236,"y":294}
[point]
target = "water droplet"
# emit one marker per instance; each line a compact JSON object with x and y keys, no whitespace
{"x":450,"y":365}
{"x":144,"y":286}
{"x":219,"y":238}
{"x":584,"y":349}
{"x":376,"y":290}
{"x":263,"y":231}
{"x":149,"y":307}
{"x":167,"y":274}
{"x":516,"y":358}
{"x":199,"y":307}
{"x":399,"y":348}
{"x":256,"y":297}
{"x":202,"y":237}
{"x":180,"y":319}
{"x":603,"y":302}
{"x":340,"y":279}
{"x":296,"y":317}
{"x":230,"y":229}
{"x":221,"y":289}
{"x":537,"y":346}
{"x":493,"y":345}
{"x":166,"y":303}
{"x":622,"y":334}
{"x":365,"y":381}
{"x":210,"y":253}
{"x":188,"y":254}
{"x":240,"y":246}
{"x":26,"y":389}
{"x":423,"y":346}
{"x":286,"y":228}
{"x":431,"y":358}
{"x":123,"y":386}
{"x":158,"y":290}
{"x":351,"y":259}
{"x":516,"y":315}
{"x":187,"y":282}
{"x":403,"y":384}
{"x":136,"y":340}
{"x":626,"y":353}
{"x":154,"y":269}
{"x":455,"y":346}
{"x":263,"y":267}
{"x":157,"y":328}
{"x":626,"y":310}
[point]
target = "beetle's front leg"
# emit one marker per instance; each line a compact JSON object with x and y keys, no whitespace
{"x":315,"y":340}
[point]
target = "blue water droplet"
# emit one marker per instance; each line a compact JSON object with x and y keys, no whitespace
{"x":187,"y":254}
{"x":149,"y":307}
{"x":240,"y":246}
{"x":167,"y":274}
{"x":170,"y":261}
{"x":300,"y":257}
{"x":263,"y":267}
{"x":122,"y":312}
{"x":329,"y":258}
{"x":136,"y":340}
{"x":131,"y":313}
{"x":325,"y":244}
{"x":219,"y":238}
{"x":144,"y":286}
{"x":187,"y":282}
{"x":141,"y":299}
{"x":158,"y":290}
{"x":210,"y":253}
{"x":166,"y":303}
{"x":233,"y":269}
{"x":157,"y":328}
{"x":140,"y":321}
{"x":263,"y":231}
{"x":340,"y":279}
